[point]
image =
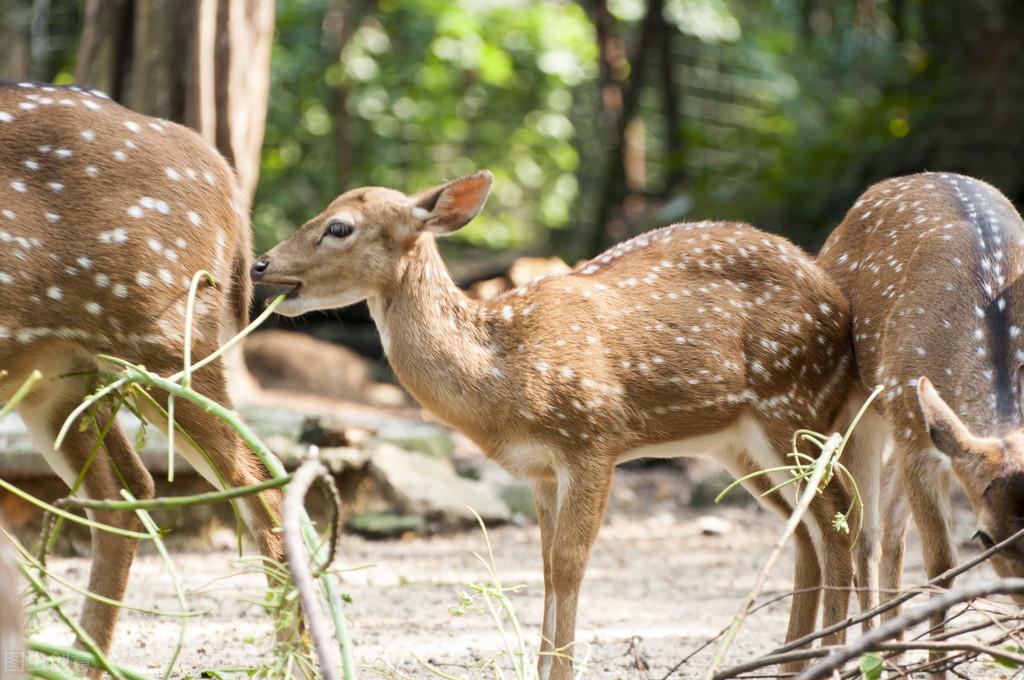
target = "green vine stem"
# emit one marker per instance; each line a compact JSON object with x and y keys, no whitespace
{"x":177,"y":501}
{"x":78,"y":656}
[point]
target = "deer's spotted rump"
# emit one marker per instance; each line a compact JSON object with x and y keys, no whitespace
{"x":71,"y":159}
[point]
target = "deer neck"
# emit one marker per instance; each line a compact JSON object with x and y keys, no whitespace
{"x":434,"y":336}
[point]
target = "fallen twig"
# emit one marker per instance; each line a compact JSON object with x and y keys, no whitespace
{"x":893,"y":627}
{"x":901,"y":598}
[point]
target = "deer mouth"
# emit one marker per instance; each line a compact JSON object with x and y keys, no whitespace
{"x":270,"y":290}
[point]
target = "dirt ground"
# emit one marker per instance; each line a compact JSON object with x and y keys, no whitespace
{"x":656,"y":589}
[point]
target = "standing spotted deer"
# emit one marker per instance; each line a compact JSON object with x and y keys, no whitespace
{"x":105,"y":216}
{"x":696,"y":339}
{"x":931,"y":266}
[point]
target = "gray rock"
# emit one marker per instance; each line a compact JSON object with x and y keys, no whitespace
{"x":420,"y":484}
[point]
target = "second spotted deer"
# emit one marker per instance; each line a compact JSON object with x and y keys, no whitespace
{"x":105,"y":217}
{"x":932,"y":266}
{"x":696,"y":339}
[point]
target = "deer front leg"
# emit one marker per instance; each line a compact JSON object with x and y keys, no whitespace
{"x":580,"y":498}
{"x":545,"y":497}
{"x":927,"y":489}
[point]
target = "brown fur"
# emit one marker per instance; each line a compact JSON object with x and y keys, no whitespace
{"x":105,"y":216}
{"x":930,"y":264}
{"x":687,"y":332}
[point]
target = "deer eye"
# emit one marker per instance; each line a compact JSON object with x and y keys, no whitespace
{"x":339,"y":229}
{"x":984,"y":539}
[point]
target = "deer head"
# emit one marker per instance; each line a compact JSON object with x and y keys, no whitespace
{"x":991,"y":471}
{"x":356,"y":248}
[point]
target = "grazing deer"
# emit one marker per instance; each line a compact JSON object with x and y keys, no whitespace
{"x":105,"y":216}
{"x":696,"y":339}
{"x":931,"y":266}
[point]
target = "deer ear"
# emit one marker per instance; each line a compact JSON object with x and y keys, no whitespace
{"x":946,"y":430}
{"x":451,"y":206}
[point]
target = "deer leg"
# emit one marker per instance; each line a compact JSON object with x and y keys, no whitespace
{"x":116,"y":466}
{"x":927,"y":490}
{"x":836,"y":560}
{"x":803,"y":611}
{"x":545,"y":499}
{"x":865,"y":452}
{"x":894,"y":533}
{"x":581,"y":496}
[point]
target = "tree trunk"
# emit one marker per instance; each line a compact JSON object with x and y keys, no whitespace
{"x":203,"y":63}
{"x":610,"y":217}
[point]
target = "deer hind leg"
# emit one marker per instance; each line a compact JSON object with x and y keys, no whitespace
{"x":116,"y":466}
{"x":836,"y":557}
{"x":803,"y":611}
{"x":580,"y":499}
{"x":864,"y":454}
{"x":221,"y":457}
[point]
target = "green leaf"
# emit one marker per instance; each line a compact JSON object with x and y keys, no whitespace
{"x":1015,"y":649}
{"x":140,"y":437}
{"x":871,"y":666}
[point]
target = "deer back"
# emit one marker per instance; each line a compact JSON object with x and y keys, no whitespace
{"x":668,"y":336}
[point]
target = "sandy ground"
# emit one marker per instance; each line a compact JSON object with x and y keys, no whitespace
{"x":656,"y":589}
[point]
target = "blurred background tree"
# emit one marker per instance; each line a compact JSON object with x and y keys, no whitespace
{"x":599,"y":118}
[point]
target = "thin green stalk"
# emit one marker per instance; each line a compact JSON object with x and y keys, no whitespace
{"x":100,"y":439}
{"x":153,"y":531}
{"x":178,"y":501}
{"x":36,"y":564}
{"x":758,"y":473}
{"x":186,"y":377}
{"x":7,"y":486}
{"x":235,"y":340}
{"x":84,"y":639}
{"x":46,"y":606}
{"x":86,"y":405}
{"x":20,"y":393}
{"x":39,"y":671}
{"x":140,"y":374}
{"x":79,"y":656}
{"x":239,"y":524}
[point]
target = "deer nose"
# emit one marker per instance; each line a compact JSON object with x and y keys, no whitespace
{"x":259,"y":267}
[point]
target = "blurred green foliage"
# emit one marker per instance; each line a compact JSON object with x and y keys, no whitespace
{"x":786,"y":110}
{"x":419,"y":91}
{"x":777,"y":112}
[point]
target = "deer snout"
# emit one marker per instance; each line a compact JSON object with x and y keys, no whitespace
{"x":259,"y":267}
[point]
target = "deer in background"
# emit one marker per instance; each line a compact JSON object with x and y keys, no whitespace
{"x":931,"y":266}
{"x":105,"y":216}
{"x":695,"y":339}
